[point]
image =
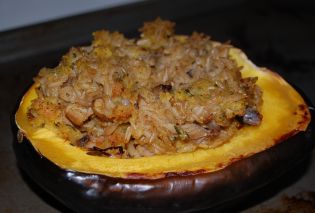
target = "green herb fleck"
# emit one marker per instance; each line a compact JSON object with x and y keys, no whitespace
{"x":182,"y":135}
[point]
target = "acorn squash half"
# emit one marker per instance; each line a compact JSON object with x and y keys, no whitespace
{"x":177,"y":182}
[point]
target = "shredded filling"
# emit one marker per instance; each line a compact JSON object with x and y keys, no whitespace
{"x":161,"y":93}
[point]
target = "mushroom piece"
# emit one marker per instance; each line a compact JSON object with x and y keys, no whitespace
{"x":252,"y":117}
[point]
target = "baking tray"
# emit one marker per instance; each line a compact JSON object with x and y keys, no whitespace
{"x":276,"y":34}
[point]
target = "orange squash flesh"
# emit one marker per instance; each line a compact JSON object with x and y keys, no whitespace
{"x":284,"y":114}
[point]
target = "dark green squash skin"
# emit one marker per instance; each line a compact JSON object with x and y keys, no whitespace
{"x":175,"y":193}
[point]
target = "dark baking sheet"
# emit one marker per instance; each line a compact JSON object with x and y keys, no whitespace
{"x":276,"y":34}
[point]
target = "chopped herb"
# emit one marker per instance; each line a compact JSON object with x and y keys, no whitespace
{"x":188,"y":92}
{"x":182,"y":135}
{"x":119,"y":75}
{"x":173,"y":138}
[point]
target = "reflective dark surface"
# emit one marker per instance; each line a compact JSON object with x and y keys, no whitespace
{"x":277,"y":34}
{"x":215,"y":191}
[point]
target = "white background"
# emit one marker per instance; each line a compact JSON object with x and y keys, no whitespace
{"x":17,"y":13}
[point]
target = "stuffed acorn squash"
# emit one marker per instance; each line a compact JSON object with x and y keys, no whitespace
{"x":167,"y":115}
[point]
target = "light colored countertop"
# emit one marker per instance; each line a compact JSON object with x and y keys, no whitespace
{"x":16,"y":13}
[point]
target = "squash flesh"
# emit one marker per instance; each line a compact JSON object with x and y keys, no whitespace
{"x":284,"y":114}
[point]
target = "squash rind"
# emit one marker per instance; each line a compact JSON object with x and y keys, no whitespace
{"x":218,"y":190}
